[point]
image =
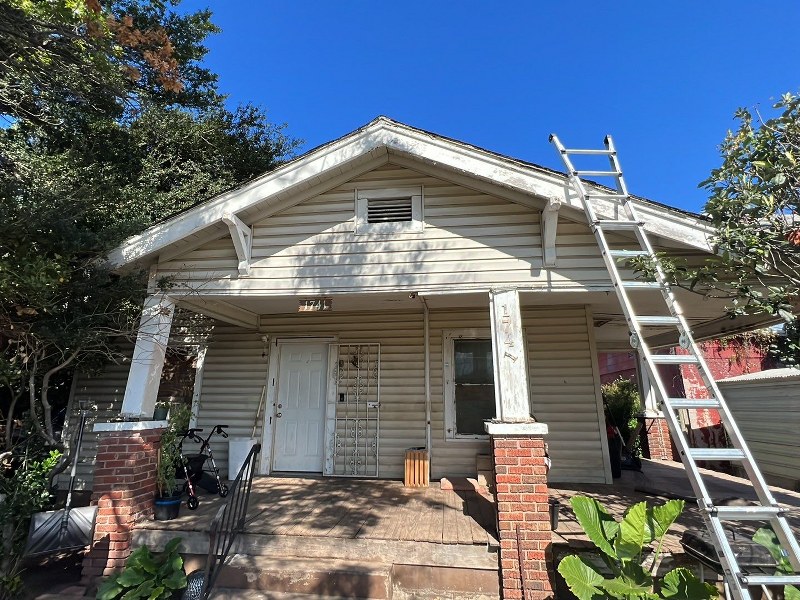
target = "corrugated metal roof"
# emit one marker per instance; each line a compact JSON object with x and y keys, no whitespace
{"x":769,"y":375}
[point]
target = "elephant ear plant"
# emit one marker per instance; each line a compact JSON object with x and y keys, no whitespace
{"x":767,"y":538}
{"x":622,"y":545}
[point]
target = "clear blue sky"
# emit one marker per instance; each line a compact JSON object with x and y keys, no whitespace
{"x":664,"y":78}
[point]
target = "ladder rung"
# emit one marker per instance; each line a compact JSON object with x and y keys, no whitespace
{"x":641,"y":285}
{"x":656,"y":321}
{"x":607,"y":196}
{"x":690,"y":403}
{"x":771,"y":579}
{"x":746,"y":513}
{"x":716,"y":454}
{"x":674,"y":359}
{"x":614,"y":224}
{"x":628,"y":253}
{"x":597,"y":173}
{"x":587,"y":151}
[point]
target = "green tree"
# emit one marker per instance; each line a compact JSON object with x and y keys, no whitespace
{"x":113,"y":123}
{"x":753,"y":203}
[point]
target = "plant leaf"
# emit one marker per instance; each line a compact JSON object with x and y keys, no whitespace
{"x":175,"y":581}
{"x":110,"y":589}
{"x":157,"y":593}
{"x":172,"y":545}
{"x":790,"y":592}
{"x":131,"y":577}
{"x":598,"y":525}
{"x":662,"y":517}
{"x":767,"y":538}
{"x":682,"y":584}
{"x":634,"y":532}
{"x":622,"y":587}
{"x":582,"y":579}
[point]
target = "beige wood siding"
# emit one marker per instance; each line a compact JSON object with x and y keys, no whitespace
{"x":768,"y":414}
{"x":102,"y":394}
{"x":561,"y":367}
{"x":400,"y":334}
{"x":470,"y":239}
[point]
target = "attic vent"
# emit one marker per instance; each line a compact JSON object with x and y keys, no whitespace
{"x":390,"y":210}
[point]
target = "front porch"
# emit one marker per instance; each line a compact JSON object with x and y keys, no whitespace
{"x":446,"y":536}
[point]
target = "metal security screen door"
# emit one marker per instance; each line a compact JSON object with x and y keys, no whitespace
{"x":353,"y":417}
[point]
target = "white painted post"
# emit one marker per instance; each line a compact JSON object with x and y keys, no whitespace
{"x":148,"y":357}
{"x":508,"y":354}
{"x":649,"y":401}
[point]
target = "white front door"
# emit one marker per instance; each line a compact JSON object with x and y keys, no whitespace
{"x":300,"y":409}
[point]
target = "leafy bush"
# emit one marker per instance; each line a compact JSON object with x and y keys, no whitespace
{"x":169,"y":457}
{"x":24,"y":493}
{"x":147,"y":576}
{"x":622,"y":545}
{"x":623,"y":404}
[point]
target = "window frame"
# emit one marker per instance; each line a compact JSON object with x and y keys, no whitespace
{"x":448,"y":371}
{"x":415,"y":225}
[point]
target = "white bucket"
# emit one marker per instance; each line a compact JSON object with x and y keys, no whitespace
{"x":238,"y":449}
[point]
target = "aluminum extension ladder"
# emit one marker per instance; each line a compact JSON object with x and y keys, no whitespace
{"x":627,"y":220}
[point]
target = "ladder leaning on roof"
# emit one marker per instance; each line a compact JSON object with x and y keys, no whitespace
{"x":736,"y":579}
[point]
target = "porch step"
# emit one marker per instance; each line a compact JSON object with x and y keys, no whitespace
{"x":257,"y":578}
{"x":195,"y":545}
{"x":325,"y":578}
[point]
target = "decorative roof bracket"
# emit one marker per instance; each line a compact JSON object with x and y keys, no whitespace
{"x":549,"y":228}
{"x":242,"y":237}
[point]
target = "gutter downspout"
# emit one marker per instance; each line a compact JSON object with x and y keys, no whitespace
{"x":426,"y":330}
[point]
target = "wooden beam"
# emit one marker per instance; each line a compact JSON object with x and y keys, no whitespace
{"x":549,"y":229}
{"x":242,"y":237}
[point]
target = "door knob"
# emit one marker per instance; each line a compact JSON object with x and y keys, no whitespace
{"x":278,"y":415}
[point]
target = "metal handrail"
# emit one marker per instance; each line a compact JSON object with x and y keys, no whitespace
{"x":229,"y":521}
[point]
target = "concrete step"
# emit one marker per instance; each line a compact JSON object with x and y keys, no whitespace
{"x":236,"y":594}
{"x":257,"y":577}
{"x":357,"y":550}
{"x":317,"y":577}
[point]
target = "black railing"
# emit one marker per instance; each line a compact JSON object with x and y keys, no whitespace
{"x":226,"y":525}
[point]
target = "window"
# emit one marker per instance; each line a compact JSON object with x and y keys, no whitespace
{"x":469,"y":380}
{"x":389,"y":210}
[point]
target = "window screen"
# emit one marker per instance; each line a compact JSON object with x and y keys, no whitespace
{"x":474,"y":385}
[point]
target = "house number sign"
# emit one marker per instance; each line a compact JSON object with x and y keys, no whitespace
{"x":315,"y":305}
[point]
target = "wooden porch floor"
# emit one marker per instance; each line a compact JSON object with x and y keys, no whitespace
{"x":352,"y":509}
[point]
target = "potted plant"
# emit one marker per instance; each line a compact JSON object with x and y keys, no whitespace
{"x":168,"y":498}
{"x":147,"y":576}
{"x":161,"y":411}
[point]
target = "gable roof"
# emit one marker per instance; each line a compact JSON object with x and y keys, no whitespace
{"x":373,"y":144}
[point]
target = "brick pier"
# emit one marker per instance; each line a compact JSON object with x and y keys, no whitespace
{"x":124,"y":488}
{"x":523,"y":515}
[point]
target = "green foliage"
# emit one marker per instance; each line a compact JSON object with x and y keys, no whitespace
{"x":25,"y":492}
{"x":112,"y":124}
{"x":622,"y":545}
{"x":754,"y":197}
{"x":623,"y":405}
{"x":169,"y":458}
{"x":147,"y":576}
{"x":767,"y":538}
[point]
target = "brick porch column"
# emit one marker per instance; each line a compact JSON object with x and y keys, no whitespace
{"x":523,"y":512}
{"x":124,"y":488}
{"x":658,"y":438}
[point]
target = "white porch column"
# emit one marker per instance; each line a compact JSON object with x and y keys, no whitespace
{"x":148,"y":357}
{"x":508,"y":353}
{"x":649,"y":399}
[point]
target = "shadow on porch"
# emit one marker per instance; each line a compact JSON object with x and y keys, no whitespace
{"x":352,"y":509}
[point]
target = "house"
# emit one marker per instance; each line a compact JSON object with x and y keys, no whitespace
{"x":395,"y":289}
